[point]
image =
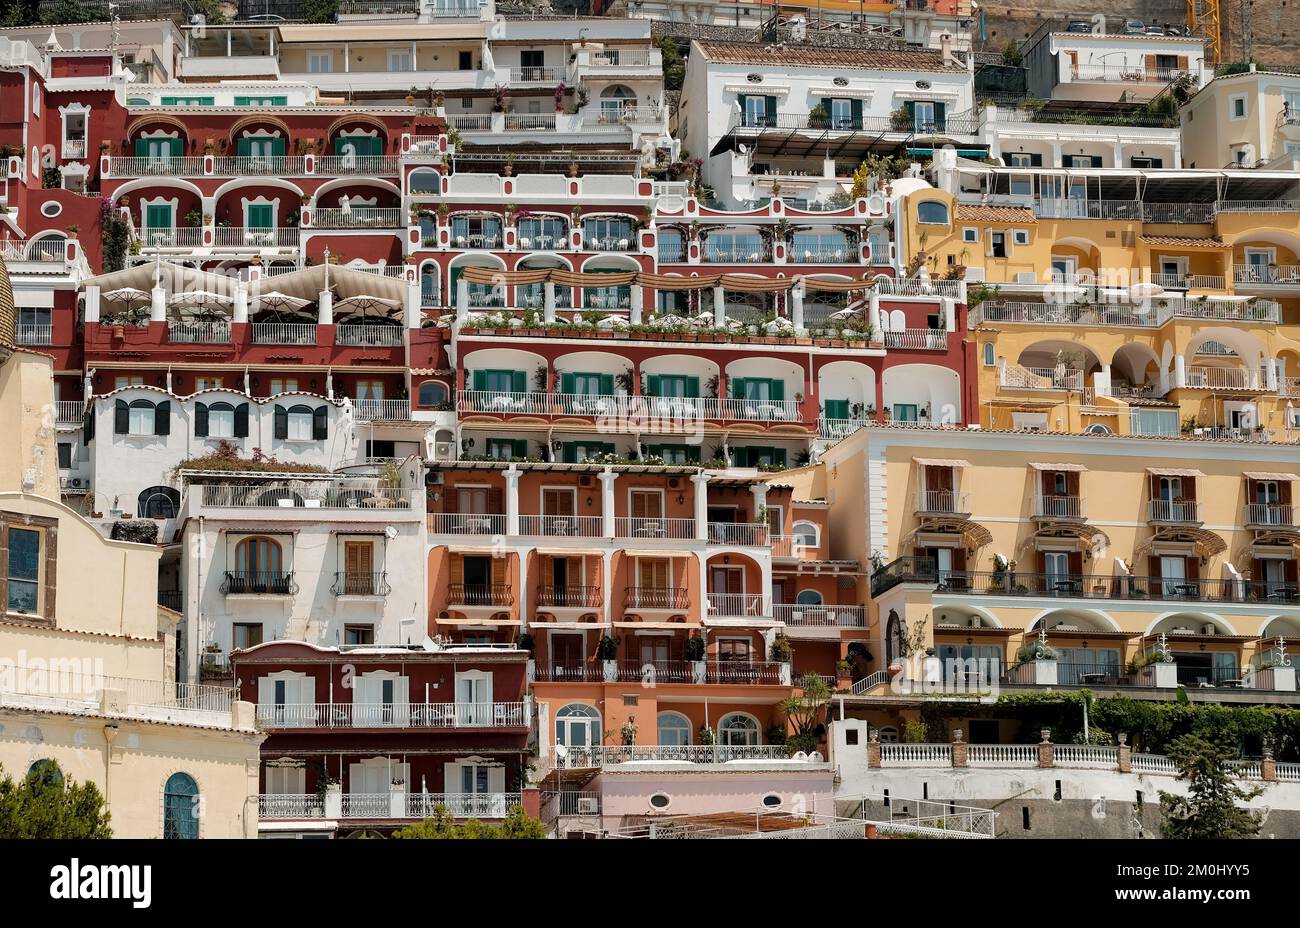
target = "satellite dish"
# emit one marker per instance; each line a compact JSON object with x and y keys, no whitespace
{"x":390,"y":531}
{"x":561,"y":751}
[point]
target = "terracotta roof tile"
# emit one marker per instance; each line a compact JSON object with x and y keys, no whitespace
{"x":813,"y":57}
{"x":1179,"y":241}
{"x":995,"y":213}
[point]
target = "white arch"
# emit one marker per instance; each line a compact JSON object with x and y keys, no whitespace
{"x":987,"y":618}
{"x":1216,"y":619}
{"x":355,"y":181}
{"x":1095,"y":614}
{"x":757,"y":726}
{"x":246,"y":182}
{"x":1293,"y":617}
{"x":153,"y":183}
{"x":671,"y":714}
{"x":561,"y":260}
{"x":616,"y":261}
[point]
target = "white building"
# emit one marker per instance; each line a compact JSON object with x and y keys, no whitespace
{"x":797,"y":121}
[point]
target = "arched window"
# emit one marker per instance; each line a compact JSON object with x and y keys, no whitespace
{"x":738,"y":729}
{"x":990,"y":358}
{"x":429,"y":284}
{"x":259,"y":557}
{"x":808,"y":598}
{"x":932,"y":212}
{"x":433,"y":393}
{"x":577,"y":726}
{"x":302,"y":423}
{"x":425,"y":181}
{"x":613,"y":100}
{"x":805,"y":534}
{"x":893,"y":637}
{"x":674,"y":729}
{"x":889,"y":735}
{"x":46,"y":772}
{"x":158,"y":503}
{"x":141,"y":417}
{"x":181,"y":807}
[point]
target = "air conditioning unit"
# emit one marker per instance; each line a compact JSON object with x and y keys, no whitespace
{"x":76,"y":481}
{"x":1026,"y":277}
{"x":1208,"y":629}
{"x":588,"y":805}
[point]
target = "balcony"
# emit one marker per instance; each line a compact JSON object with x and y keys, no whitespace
{"x":382,"y":410}
{"x":530,"y":122}
{"x":1139,"y":74}
{"x":355,"y":335}
{"x":364,"y":165}
{"x":1273,"y":275}
{"x":258,"y":583}
{"x":748,"y":534}
{"x":739,"y":606}
{"x":836,"y":429}
{"x":284,"y":333}
{"x":570,"y":597}
{"x":740,"y":252}
{"x":942,"y":502}
{"x":52,"y":250}
{"x":254,"y":237}
{"x":536,"y":75}
{"x":174,"y":237}
{"x":765,"y":673}
{"x":89,"y":694}
{"x":69,"y":412}
{"x":360,"y":583}
{"x":923,"y":339}
{"x":313,"y":495}
{"x":644,"y":528}
{"x":480,"y":594}
{"x":466,"y":523}
{"x":385,"y":806}
{"x":552,"y":526}
{"x":198,"y":333}
{"x":1015,"y":377}
{"x":1269,"y":515}
{"x":801,"y":616}
{"x":35,"y":333}
{"x":628,"y":407}
{"x":358,"y":217}
{"x":702,"y":754}
{"x":1173,"y":511}
{"x":656,"y":597}
{"x":1060,"y":508}
{"x":392,"y":715}
{"x":613,"y":243}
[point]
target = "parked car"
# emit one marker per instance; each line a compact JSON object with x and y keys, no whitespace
{"x":1134,"y":27}
{"x":1079,"y":25}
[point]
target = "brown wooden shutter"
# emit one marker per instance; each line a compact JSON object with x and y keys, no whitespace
{"x":1182,"y":62}
{"x":457,"y":570}
{"x":735,"y":581}
{"x":1284,"y":494}
{"x":495,"y":502}
{"x":1192,"y":567}
{"x":451,"y":500}
{"x":1189,"y":488}
{"x":1151,"y":65}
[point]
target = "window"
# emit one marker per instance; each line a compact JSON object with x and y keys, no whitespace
{"x":320,"y":62}
{"x":141,"y":417}
{"x":47,"y":771}
{"x":805,"y":534}
{"x":1020,"y":237}
{"x":465,"y":61}
{"x":577,"y":726}
{"x":358,"y":634}
{"x":990,"y":355}
{"x":674,"y":729}
{"x":808,"y":598}
{"x":285,"y":385}
{"x":258,"y":566}
{"x":970,"y":236}
{"x":1237,"y":107}
{"x":181,"y":807}
{"x":997,"y":244}
{"x":158,"y":503}
{"x":121,"y":383}
{"x":23,"y":570}
{"x":399,"y":60}
{"x":65,"y":455}
{"x":301,"y":423}
{"x":932,"y":212}
{"x":246,"y":634}
{"x":738,"y":730}
{"x":208,"y":383}
{"x":1153,"y":421}
{"x":220,"y":420}
{"x":433,"y":393}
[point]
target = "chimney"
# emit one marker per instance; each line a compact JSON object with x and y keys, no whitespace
{"x":945,"y":49}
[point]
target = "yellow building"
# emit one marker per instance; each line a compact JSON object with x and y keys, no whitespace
{"x":87,"y":657}
{"x":1094,"y":307}
{"x":1116,"y":547}
{"x":1247,"y":118}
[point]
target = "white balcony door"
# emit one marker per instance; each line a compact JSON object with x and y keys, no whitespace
{"x":475,"y":788}
{"x":286,"y":781}
{"x":943,"y":564}
{"x":381,"y":699}
{"x":474,"y":698}
{"x":1056,"y":564}
{"x":287,"y":699}
{"x":1173,"y":573}
{"x":375,"y":776}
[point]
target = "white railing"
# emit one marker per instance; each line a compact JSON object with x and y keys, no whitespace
{"x":1060,"y":507}
{"x":1154,"y":763}
{"x":358,"y":217}
{"x":385,"y":165}
{"x":462,"y":805}
{"x":870,"y":681}
{"x":35,"y":333}
{"x":1084,"y":755}
{"x":43,"y":249}
{"x":253,"y":166}
{"x":198,"y":333}
{"x":368,"y":336}
{"x":928,"y":339}
{"x":753,"y":410}
{"x":562,"y":526}
{"x":916,"y":286}
{"x":676,"y":529}
{"x":275,"y":806}
{"x":838,"y":428}
{"x":284,"y":333}
{"x":1002,"y":755}
{"x":534,"y":75}
{"x":945,"y":501}
{"x":253,"y":237}
{"x":137,"y":166}
{"x":1273,"y":275}
{"x":538,"y":404}
{"x":622,"y":58}
{"x":465,"y":523}
{"x":69,"y":410}
{"x":612,"y":756}
{"x":307,"y":495}
{"x":469,"y":122}
{"x":180,"y":237}
{"x":1289,"y":773}
{"x":1255,"y":311}
{"x":392,"y":715}
{"x":525,"y":122}
{"x":852,"y":616}
{"x":1282,"y":514}
{"x":739,"y":605}
{"x":1249,"y":769}
{"x":1041,"y":378}
{"x":375,"y":410}
{"x":32,"y":687}
{"x":1172,"y":510}
{"x":916,"y":755}
{"x":738,"y":533}
{"x":1219,"y":378}
{"x":1289,"y":386}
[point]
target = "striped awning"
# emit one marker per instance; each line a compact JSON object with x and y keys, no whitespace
{"x":1071,"y":468}
{"x":736,"y":283}
{"x":1174,"y":472}
{"x":1265,"y":475}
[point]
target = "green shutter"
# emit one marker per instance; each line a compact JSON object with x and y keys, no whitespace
{"x":654,"y":384}
{"x":1036,"y":160}
{"x":1096,"y":161}
{"x":940,"y":116}
{"x":278,"y":146}
{"x":244,"y":147}
{"x":606,"y":384}
{"x":693,"y":387}
{"x":738,"y":388}
{"x":776,"y":390}
{"x":830,"y":118}
{"x":569,"y":453}
{"x":568,"y":383}
{"x":480,"y":380}
{"x":740,"y":457}
{"x":518,"y":382}
{"x":142,"y":148}
{"x":769,"y":110}
{"x":520,"y":447}
{"x":158,"y":216}
{"x":910,"y":107}
{"x":856,"y":114}
{"x":837,"y":409}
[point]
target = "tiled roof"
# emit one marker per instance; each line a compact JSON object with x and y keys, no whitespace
{"x":808,"y":56}
{"x":995,"y":213}
{"x":1179,"y":241}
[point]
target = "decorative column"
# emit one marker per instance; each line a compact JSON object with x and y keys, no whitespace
{"x":157,"y":304}
{"x":1180,"y":371}
{"x":958,"y":748}
{"x":325,"y":308}
{"x":607,"y":479}
{"x":548,"y":302}
{"x":512,"y":476}
{"x":719,"y":307}
{"x":873,"y":311}
{"x":638,"y":297}
{"x":796,"y":310}
{"x":413,"y":301}
{"x":240,"y":310}
{"x":462,"y":299}
{"x":1046,"y":754}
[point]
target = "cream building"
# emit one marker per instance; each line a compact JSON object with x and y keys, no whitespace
{"x":87,"y":657}
{"x":1246,"y":119}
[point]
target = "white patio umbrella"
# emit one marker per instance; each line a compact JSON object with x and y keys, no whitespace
{"x":125,"y":296}
{"x":198,"y":298}
{"x":612,"y":322}
{"x":672,"y":320}
{"x":848,"y":312}
{"x":704,"y":320}
{"x":345,"y":206}
{"x":275,"y":300}
{"x":364,"y":302}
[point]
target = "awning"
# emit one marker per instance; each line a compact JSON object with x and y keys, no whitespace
{"x":972,"y":533}
{"x":1265,"y":475}
{"x":1072,"y":468}
{"x":1174,"y":472}
{"x":941,"y":462}
{"x":1205,"y":542}
{"x":1097,"y":540}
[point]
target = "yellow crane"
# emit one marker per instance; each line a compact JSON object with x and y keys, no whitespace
{"x":1203,"y":20}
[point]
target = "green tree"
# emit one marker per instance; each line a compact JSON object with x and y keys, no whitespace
{"x":803,"y":712}
{"x":46,"y":804}
{"x":674,"y":63}
{"x":320,"y":11}
{"x":442,"y":826}
{"x":1011,"y":54}
{"x":1212,"y":807}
